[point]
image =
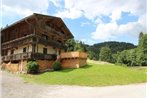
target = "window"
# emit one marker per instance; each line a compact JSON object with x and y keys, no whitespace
{"x":44,"y":50}
{"x":24,"y":50}
{"x":45,"y":36}
{"x":62,"y":32}
{"x":59,"y":52}
{"x":24,"y":34}
{"x":59,"y":41}
{"x":12,"y":51}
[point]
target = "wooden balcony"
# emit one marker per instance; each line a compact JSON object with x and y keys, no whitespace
{"x":29,"y":55}
{"x":48,"y":42}
{"x":29,"y":39}
{"x":17,"y":42}
{"x":75,"y":54}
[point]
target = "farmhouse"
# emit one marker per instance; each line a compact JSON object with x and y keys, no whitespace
{"x":36,"y":37}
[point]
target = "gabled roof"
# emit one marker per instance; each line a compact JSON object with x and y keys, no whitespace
{"x":37,"y":15}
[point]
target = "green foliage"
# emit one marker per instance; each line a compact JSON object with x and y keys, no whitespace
{"x":105,"y":54}
{"x":127,"y":57}
{"x":114,"y":57}
{"x":91,"y":55}
{"x":57,"y":66}
{"x":132,"y":57}
{"x":137,"y":56}
{"x":94,"y":50}
{"x":70,"y":44}
{"x":74,"y":45}
{"x":32,"y":67}
{"x":142,"y":50}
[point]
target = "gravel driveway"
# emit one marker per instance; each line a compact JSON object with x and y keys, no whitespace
{"x":14,"y":87}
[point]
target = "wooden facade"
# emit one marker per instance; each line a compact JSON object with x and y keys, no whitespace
{"x":37,"y":37}
{"x":33,"y":30}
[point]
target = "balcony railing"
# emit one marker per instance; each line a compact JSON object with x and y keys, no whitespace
{"x":17,"y":42}
{"x":28,"y":55}
{"x":49,"y":42}
{"x":31,"y":39}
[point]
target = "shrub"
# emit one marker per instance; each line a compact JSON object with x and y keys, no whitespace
{"x":56,"y":65}
{"x":32,"y":67}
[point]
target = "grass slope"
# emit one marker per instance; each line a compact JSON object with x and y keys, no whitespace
{"x":90,"y":75}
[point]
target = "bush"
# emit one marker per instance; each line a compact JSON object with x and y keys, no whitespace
{"x":56,"y":65}
{"x":32,"y":67}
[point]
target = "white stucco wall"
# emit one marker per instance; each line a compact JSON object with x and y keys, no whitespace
{"x":9,"y":52}
{"x":20,"y":49}
{"x":50,"y":49}
{"x":38,"y":49}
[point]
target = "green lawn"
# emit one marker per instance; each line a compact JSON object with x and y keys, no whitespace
{"x":90,"y":75}
{"x":143,"y":69}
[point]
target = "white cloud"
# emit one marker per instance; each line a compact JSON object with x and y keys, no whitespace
{"x":88,"y":41}
{"x":24,"y":7}
{"x":94,"y":10}
{"x":56,"y":3}
{"x":105,"y":31}
{"x":69,"y":13}
{"x":111,"y":30}
{"x":116,"y":15}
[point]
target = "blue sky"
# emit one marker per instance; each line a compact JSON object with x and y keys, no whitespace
{"x":91,"y":21}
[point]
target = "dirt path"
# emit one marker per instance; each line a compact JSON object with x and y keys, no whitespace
{"x":14,"y":87}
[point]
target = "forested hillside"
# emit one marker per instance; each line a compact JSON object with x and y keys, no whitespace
{"x":94,"y":50}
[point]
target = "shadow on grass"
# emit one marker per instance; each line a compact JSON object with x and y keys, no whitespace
{"x":66,"y":70}
{"x":86,"y":66}
{"x":71,"y":69}
{"x":39,"y":73}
